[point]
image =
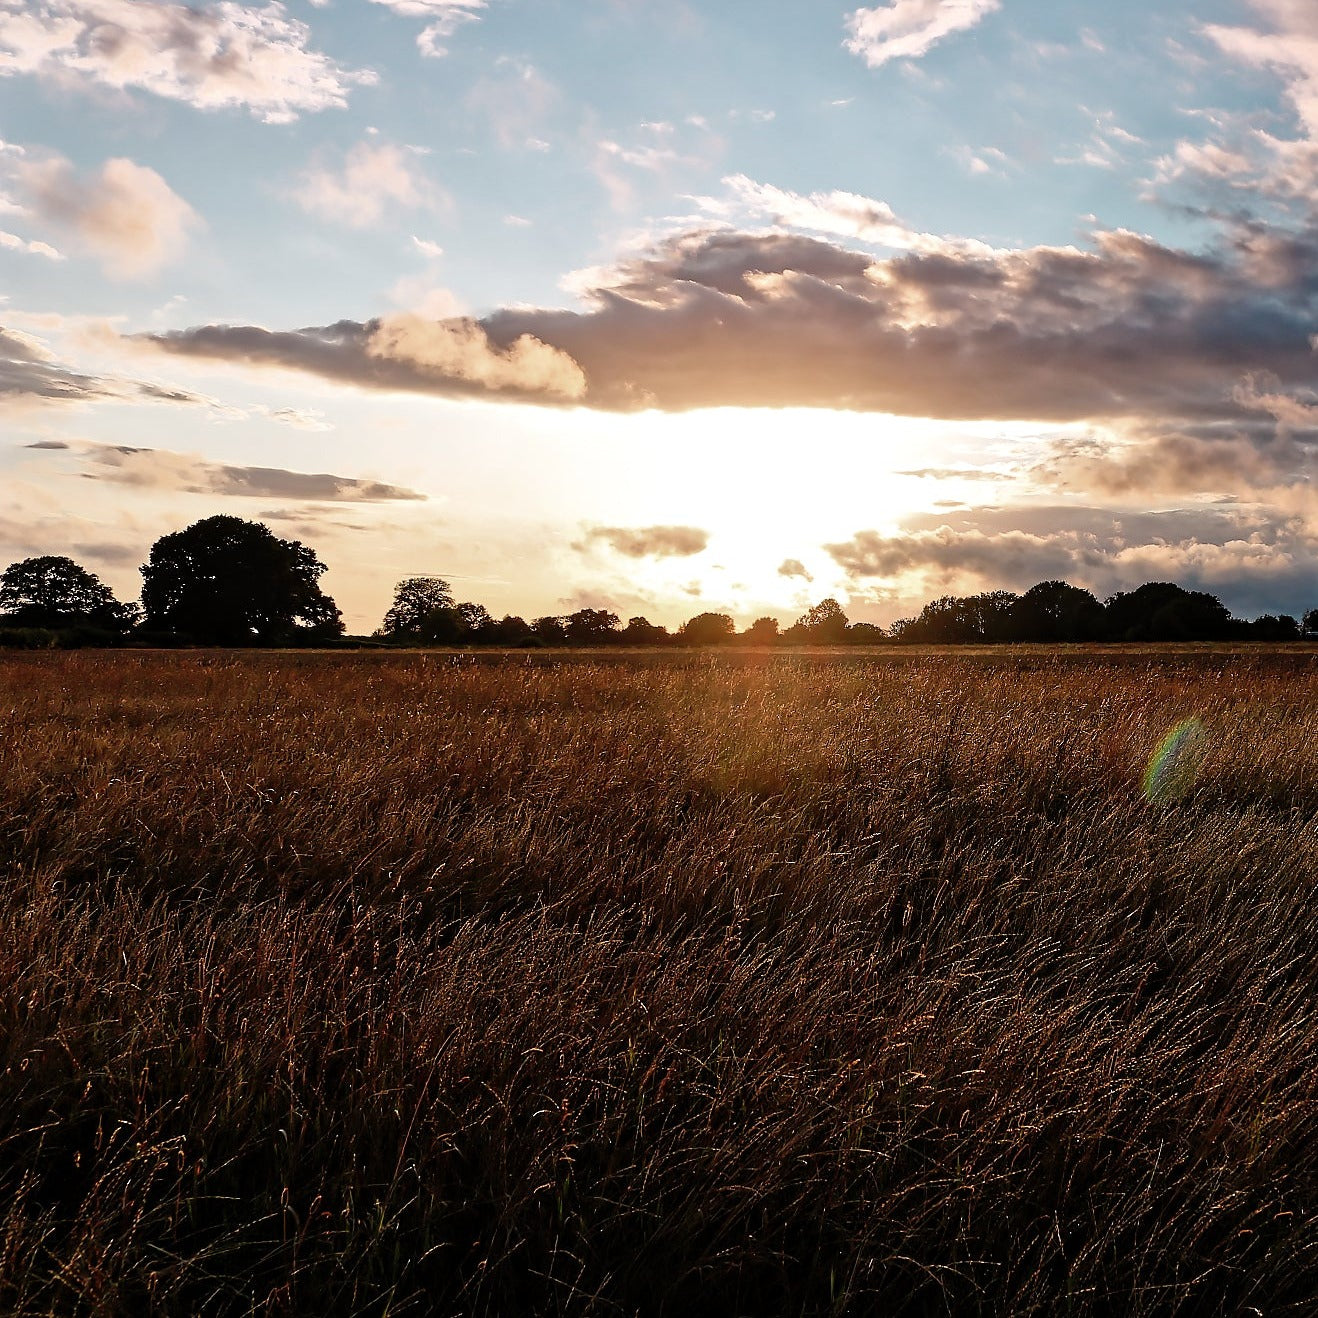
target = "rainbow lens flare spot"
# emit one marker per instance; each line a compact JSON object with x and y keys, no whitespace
{"x":1173,"y":768}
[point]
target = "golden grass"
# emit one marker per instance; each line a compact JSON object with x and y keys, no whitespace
{"x":747,"y":984}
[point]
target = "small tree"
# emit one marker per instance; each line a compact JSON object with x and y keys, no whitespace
{"x":416,"y":600}
{"x":53,"y":591}
{"x":708,"y":629}
{"x":641,"y":631}
{"x":763,"y":631}
{"x":825,"y":624}
{"x":592,"y":627}
{"x":549,"y":630}
{"x":1310,"y":623}
{"x":226,"y":581}
{"x":865,"y":633}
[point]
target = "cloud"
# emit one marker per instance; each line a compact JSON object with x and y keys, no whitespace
{"x":461,"y":349}
{"x":1243,"y":155}
{"x":1256,"y":559}
{"x":793,"y":567}
{"x":844,"y":214}
{"x":516,"y":101}
{"x":906,"y":29}
{"x":648,"y":541}
{"x":445,"y":16}
{"x":223,"y":55}
{"x":188,"y":473}
{"x":30,"y":374}
{"x":34,"y":247}
{"x":1290,"y":48}
{"x":956,"y":474}
{"x":1126,"y":331}
{"x":28,"y":370}
{"x":372,"y":182}
{"x":125,"y":214}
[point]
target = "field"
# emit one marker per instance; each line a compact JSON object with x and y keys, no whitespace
{"x":749,"y":984}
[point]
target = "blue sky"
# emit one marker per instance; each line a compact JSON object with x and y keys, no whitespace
{"x":881,"y":302}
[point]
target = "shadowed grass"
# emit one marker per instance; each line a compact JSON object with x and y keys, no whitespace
{"x":394,"y":984}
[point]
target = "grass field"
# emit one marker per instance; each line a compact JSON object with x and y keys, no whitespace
{"x":749,"y":984}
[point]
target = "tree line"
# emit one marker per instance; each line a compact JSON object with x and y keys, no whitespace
{"x":226,"y":581}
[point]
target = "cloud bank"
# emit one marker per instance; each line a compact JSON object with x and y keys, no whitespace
{"x":1252,"y":557}
{"x":217,"y":56}
{"x":1128,"y":333}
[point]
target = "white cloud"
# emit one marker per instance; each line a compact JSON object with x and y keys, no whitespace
{"x":33,"y":247}
{"x":445,"y":17}
{"x":220,"y":56}
{"x":845,"y":214}
{"x":906,"y":29}
{"x":373,"y":180}
{"x":126,"y":214}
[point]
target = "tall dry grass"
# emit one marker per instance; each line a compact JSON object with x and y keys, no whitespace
{"x":749,"y":985}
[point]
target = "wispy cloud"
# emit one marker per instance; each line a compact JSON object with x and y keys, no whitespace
{"x":444,"y":18}
{"x":223,"y":55}
{"x":845,"y":214}
{"x":32,"y":375}
{"x":189,"y":473}
{"x":374,"y":180}
{"x":907,"y":29}
{"x":124,"y":214}
{"x":33,"y":246}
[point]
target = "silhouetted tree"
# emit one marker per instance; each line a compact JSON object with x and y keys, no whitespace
{"x":474,"y":621}
{"x":825,"y":624}
{"x":763,"y":631}
{"x":56,"y":592}
{"x":550,"y":630}
{"x":1275,"y":627}
{"x":592,"y":627}
{"x":416,"y":602}
{"x":1162,"y":611}
{"x":1054,"y":611}
{"x":944,"y":621}
{"x":641,"y":631}
{"x":708,"y":629}
{"x":510,"y":630}
{"x":865,"y":633}
{"x":1310,"y":623}
{"x":226,"y":581}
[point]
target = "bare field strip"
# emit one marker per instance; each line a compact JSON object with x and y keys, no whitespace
{"x":754,"y":983}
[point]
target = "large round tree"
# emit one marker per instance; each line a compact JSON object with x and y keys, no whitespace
{"x":226,"y":581}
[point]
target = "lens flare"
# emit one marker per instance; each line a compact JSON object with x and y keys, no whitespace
{"x":1173,"y":768}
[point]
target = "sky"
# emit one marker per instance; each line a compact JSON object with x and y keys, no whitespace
{"x":668,"y":306}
